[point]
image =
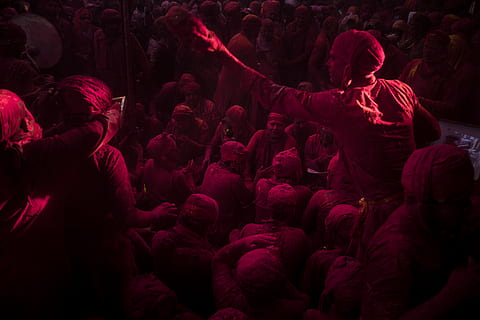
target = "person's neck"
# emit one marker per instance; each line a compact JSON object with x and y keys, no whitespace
{"x":363,"y":81}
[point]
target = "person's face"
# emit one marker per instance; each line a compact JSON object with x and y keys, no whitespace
{"x":336,"y":67}
{"x":279,"y":167}
{"x":275,"y":127}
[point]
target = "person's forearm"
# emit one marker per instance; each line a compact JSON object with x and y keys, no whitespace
{"x":139,"y":218}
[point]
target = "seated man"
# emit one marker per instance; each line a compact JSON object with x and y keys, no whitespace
{"x":183,"y":256}
{"x":287,"y":168}
{"x":265,"y":144}
{"x":225,"y":183}
{"x":190,"y":132}
{"x":338,"y":226}
{"x":234,"y":126}
{"x":162,"y":181}
{"x":202,"y":107}
{"x":258,"y":286}
{"x":291,"y":242}
{"x":412,"y":255}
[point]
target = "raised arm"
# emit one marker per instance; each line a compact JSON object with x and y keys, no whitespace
{"x":320,"y":107}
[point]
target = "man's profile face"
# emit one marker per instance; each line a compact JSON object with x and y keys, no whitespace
{"x":336,"y":68}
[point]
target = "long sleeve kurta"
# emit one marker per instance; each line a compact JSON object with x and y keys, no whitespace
{"x":374,"y":147}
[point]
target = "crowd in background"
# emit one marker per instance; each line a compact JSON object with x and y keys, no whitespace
{"x":194,"y":200}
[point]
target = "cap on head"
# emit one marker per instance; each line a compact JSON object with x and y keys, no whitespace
{"x":182,"y":110}
{"x":232,"y":151}
{"x":201,"y":208}
{"x":287,"y":164}
{"x":92,"y":90}
{"x":110,"y":16}
{"x":360,"y":50}
{"x":438,"y":172}
{"x":160,"y":145}
{"x":282,"y":196}
{"x":236,"y":114}
{"x":277,"y":117}
{"x":260,"y":273}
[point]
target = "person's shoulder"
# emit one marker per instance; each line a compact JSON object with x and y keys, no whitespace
{"x":396,"y":236}
{"x":396,"y":85}
{"x":213,"y":168}
{"x":258,"y":134}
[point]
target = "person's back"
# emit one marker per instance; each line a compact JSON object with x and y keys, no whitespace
{"x":183,"y":256}
{"x":224,"y":183}
{"x":372,"y":119}
{"x":162,"y":184}
{"x":34,"y":173}
{"x":411,"y":256}
{"x":383,"y":143}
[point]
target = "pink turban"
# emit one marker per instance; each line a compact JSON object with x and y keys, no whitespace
{"x":232,"y":8}
{"x":277,"y":117}
{"x":17,"y":125}
{"x":360,"y":50}
{"x":269,"y":7}
{"x":260,"y":274}
{"x":93,"y":91}
{"x":182,"y":110}
{"x":110,"y":15}
{"x":281,"y":196}
{"x":338,"y":225}
{"x":302,"y":11}
{"x":209,"y":8}
{"x":438,"y":172}
{"x":232,"y":150}
{"x":200,"y":207}
{"x":160,"y":145}
{"x":251,"y":23}
{"x":236,"y":114}
{"x":287,"y":164}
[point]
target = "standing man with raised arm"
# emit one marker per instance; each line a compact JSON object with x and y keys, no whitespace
{"x":374,"y":120}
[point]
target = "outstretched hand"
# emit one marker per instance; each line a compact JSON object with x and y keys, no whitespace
{"x":192,"y":31}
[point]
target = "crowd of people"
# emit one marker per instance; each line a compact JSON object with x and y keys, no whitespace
{"x":274,"y":160}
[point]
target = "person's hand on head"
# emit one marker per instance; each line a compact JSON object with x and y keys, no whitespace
{"x":261,"y":240}
{"x":165,"y":215}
